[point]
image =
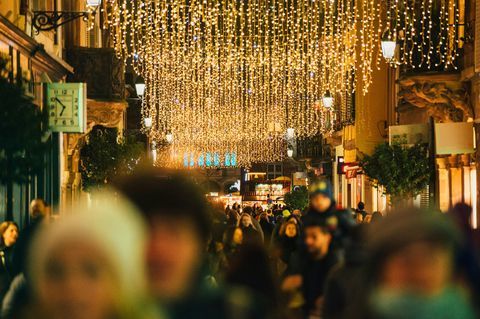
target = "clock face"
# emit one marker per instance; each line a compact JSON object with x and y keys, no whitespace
{"x":65,"y":102}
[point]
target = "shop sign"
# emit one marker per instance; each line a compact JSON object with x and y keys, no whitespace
{"x":454,"y":138}
{"x":351,"y":171}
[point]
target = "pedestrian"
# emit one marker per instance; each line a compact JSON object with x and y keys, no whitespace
{"x":361,"y":210}
{"x":286,"y":244}
{"x":38,"y":214}
{"x":232,"y":240}
{"x":250,"y":269}
{"x":367,"y":219}
{"x":411,"y":270}
{"x":90,"y":265}
{"x":344,"y":283}
{"x":19,"y":288}
{"x":322,"y":204}
{"x":256,"y":225}
{"x":376,"y":216}
{"x":9,"y":235}
{"x":314,"y":266}
{"x":267,"y":228}
{"x":297,"y":212}
{"x":250,"y":233}
{"x":179,"y":230}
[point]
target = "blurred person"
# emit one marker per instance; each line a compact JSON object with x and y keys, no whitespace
{"x":322,"y":203}
{"x":9,"y":235}
{"x":38,"y":209}
{"x":179,"y":223}
{"x":250,"y":268}
{"x":367,"y":219}
{"x":469,"y":256}
{"x":89,"y":265}
{"x":286,"y":244}
{"x":359,"y":218}
{"x":217,"y":259}
{"x":314,"y":266}
{"x":361,"y":210}
{"x":38,"y":214}
{"x":267,"y":228}
{"x":256,"y":225}
{"x":376,"y":216}
{"x":344,"y":283}
{"x":297,"y":212}
{"x":251,"y":234}
{"x":232,"y":240}
{"x":411,"y":272}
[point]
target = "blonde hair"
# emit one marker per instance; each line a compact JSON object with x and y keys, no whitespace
{"x":115,"y":229}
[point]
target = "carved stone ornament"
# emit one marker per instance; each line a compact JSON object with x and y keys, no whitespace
{"x":105,"y":113}
{"x":443,"y":97}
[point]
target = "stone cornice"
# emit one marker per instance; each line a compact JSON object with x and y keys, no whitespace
{"x":15,"y":37}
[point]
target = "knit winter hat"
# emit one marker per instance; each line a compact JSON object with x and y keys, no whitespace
{"x":323,"y":187}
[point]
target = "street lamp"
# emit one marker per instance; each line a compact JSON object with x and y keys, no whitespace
{"x":327,"y":100}
{"x":290,"y":153}
{"x":148,"y":121}
{"x":169,"y":138}
{"x":140,"y":88}
{"x":94,"y":3}
{"x":388,"y":49}
{"x":290,"y":133}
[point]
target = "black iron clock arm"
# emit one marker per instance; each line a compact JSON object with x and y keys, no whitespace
{"x":51,"y":20}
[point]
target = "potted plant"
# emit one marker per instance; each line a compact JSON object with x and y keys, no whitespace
{"x":403,"y":171}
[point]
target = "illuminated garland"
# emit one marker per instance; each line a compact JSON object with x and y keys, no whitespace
{"x":426,"y":31}
{"x":231,"y":76}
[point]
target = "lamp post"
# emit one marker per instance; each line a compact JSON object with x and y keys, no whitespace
{"x":327,"y":100}
{"x":169,"y":138}
{"x":290,"y":152}
{"x":52,"y":20}
{"x":388,"y":49}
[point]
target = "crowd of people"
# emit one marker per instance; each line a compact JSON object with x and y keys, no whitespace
{"x":153,"y":247}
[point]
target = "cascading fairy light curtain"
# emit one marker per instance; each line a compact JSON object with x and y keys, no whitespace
{"x":232,"y":75}
{"x":426,"y":32}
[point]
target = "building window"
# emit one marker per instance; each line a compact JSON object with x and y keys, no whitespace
{"x":274,"y":171}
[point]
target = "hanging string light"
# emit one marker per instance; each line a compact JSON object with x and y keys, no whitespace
{"x":426,"y":32}
{"x":224,"y":72}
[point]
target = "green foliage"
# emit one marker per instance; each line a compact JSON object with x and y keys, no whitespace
{"x":104,"y":157}
{"x":23,"y":129}
{"x":403,"y":171}
{"x":298,"y":198}
{"x":23,"y":132}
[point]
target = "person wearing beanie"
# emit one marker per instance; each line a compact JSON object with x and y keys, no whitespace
{"x":323,"y":205}
{"x":411,"y":270}
{"x":90,"y":265}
